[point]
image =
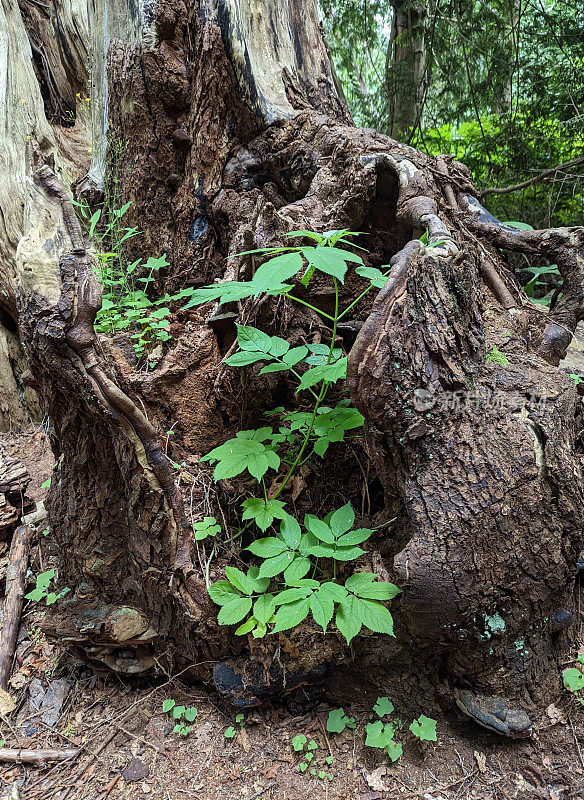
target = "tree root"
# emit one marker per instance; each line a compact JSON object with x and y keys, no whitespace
{"x":82,"y":340}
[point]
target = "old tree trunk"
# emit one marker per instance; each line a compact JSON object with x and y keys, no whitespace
{"x":224,"y":126}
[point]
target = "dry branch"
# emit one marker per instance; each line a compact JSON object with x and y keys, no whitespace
{"x":525,"y":184}
{"x":15,"y":586}
{"x":38,"y":758}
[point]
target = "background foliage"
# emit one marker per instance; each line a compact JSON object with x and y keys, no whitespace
{"x":504,"y":92}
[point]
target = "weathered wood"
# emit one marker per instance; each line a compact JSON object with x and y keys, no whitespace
{"x":37,"y":758}
{"x":15,"y":589}
{"x":220,"y":149}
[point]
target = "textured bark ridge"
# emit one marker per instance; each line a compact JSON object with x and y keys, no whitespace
{"x":232,"y":133}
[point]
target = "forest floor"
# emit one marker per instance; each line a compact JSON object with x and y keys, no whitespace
{"x":128,"y":750}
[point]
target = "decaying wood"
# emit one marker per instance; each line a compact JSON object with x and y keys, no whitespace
{"x":479,"y":461}
{"x":15,"y":589}
{"x":37,"y":758}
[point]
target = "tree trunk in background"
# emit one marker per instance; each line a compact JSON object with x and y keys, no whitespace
{"x":405,"y":69}
{"x":223,"y":126}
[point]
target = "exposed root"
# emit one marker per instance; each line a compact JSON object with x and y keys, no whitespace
{"x":81,"y":338}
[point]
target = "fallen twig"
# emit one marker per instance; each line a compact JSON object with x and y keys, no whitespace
{"x":15,"y":586}
{"x":37,"y":757}
{"x":265,"y":789}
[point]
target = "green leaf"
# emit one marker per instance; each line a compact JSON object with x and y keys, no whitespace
{"x":424,"y":728}
{"x":378,"y":735}
{"x":374,"y":616}
{"x":298,"y":742}
{"x":44,"y":579}
{"x":246,"y":627}
{"x":378,"y":591}
{"x":279,"y":346}
{"x":322,"y":607}
{"x":206,"y":527}
{"x":259,"y":584}
{"x":178,"y":711}
{"x":358,"y":580}
{"x":330,"y":260}
{"x":264,"y":608}
{"x":290,"y":532}
{"x":239,"y":579}
{"x":337,"y":721}
{"x":252,"y":339}
{"x":290,"y":615}
{"x":310,"y":234}
{"x":243,"y":358}
{"x":573,"y":679}
{"x":347,"y":553}
{"x":342,"y":520}
{"x":230,"y":732}
{"x":274,"y":566}
{"x":522,"y":226}
{"x":222,"y":592}
{"x":234,"y":611}
{"x":328,"y":372}
{"x":333,"y":590}
{"x":295,"y":355}
{"x":273,"y":273}
{"x":394,"y":750}
{"x":319,"y":528}
{"x":266,"y":548}
{"x":297,"y":570}
{"x":292,"y":595}
{"x":303,"y":767}
{"x":348,"y":619}
{"x":168,"y":705}
{"x":35,"y":594}
{"x":322,"y":550}
{"x":274,"y":367}
{"x":263,"y":512}
{"x":191,"y":714}
{"x":239,"y":454}
{"x":356,"y":536}
{"x":93,"y":221}
{"x":383,"y":706}
{"x":376,"y":276}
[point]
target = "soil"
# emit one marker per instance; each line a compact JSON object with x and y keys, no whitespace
{"x":128,"y":748}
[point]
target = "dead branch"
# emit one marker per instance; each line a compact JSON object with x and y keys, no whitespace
{"x":15,"y":586}
{"x":38,"y":758}
{"x":525,"y":184}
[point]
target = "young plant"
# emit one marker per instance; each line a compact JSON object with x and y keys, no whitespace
{"x":276,"y":593}
{"x":574,"y":679}
{"x":337,"y":721}
{"x":207,"y":527}
{"x":381,"y":733}
{"x":181,"y":714}
{"x":126,"y":305}
{"x":41,"y":590}
{"x":424,"y":728}
{"x":231,"y":731}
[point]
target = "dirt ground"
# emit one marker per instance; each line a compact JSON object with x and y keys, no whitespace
{"x":127,"y":747}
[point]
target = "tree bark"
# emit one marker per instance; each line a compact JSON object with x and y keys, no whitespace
{"x":405,"y":69}
{"x":230,"y":133}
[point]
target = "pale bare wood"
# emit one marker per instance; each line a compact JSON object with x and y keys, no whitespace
{"x":15,"y":587}
{"x":36,"y":757}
